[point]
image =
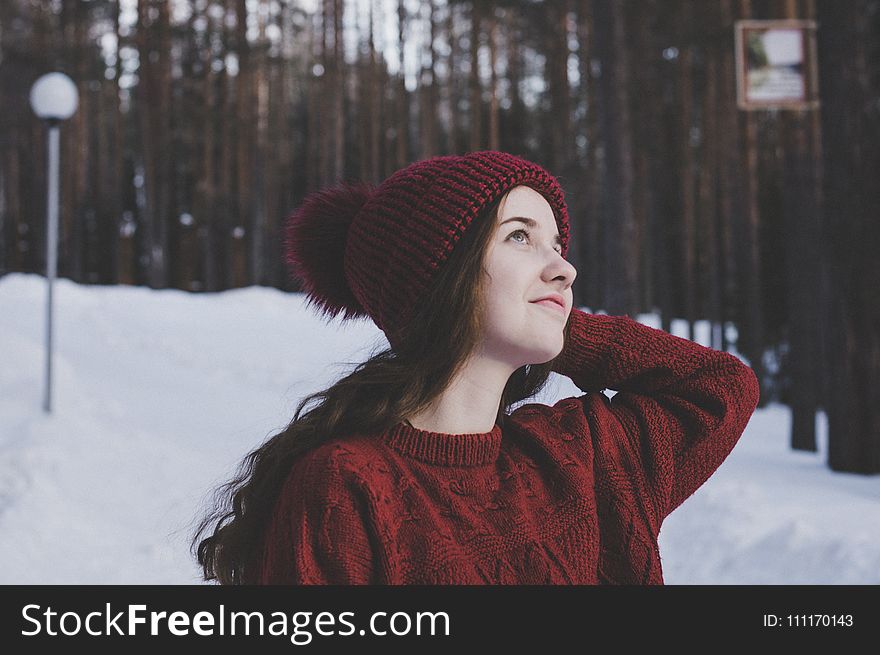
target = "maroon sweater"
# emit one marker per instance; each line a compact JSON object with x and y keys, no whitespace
{"x":569,"y":494}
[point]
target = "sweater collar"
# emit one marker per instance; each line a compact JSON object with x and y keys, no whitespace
{"x":443,"y":449}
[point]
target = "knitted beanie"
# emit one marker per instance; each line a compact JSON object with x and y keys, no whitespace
{"x":365,"y":251}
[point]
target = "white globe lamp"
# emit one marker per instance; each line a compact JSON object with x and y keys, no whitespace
{"x":54,"y":97}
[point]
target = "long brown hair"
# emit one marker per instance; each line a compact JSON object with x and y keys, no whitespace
{"x":390,"y":386}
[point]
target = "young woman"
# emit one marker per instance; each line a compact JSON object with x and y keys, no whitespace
{"x":413,"y":469}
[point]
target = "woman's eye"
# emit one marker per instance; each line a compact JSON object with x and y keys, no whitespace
{"x":525,"y":233}
{"x":515,"y":232}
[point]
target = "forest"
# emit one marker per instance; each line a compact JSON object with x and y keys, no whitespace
{"x":203,"y":123}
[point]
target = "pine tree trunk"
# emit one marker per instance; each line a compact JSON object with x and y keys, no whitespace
{"x":851,"y":146}
{"x":475,"y":139}
{"x":729,"y":188}
{"x":621,"y":258}
{"x":710,"y":255}
{"x":514,"y":135}
{"x":753,"y":344}
{"x":339,"y":92}
{"x":492,"y":29}
{"x":643,"y":77}
{"x":206,"y":196}
{"x":429,"y":119}
{"x":559,"y":89}
{"x":801,"y":219}
{"x":452,"y":96}
{"x":592,"y":252}
{"x":687,"y":175}
{"x":375,"y":117}
{"x":154,"y":103}
{"x":402,"y":126}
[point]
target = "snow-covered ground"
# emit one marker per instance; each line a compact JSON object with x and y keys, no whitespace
{"x":159,"y":394}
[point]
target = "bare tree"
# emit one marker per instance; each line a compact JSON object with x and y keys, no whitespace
{"x":848,"y":66}
{"x":619,"y":236}
{"x":154,"y":103}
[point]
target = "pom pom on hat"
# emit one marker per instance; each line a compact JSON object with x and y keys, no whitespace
{"x":314,"y":246}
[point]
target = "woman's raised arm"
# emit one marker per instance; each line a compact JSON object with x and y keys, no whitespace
{"x":684,"y":406}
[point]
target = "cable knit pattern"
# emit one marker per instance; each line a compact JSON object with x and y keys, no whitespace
{"x":569,"y":494}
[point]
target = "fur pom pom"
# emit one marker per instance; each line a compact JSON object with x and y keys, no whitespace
{"x":314,"y":246}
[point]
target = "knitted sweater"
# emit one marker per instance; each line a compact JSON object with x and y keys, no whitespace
{"x":569,"y":494}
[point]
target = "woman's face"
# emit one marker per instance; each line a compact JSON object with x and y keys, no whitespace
{"x":524,"y":265}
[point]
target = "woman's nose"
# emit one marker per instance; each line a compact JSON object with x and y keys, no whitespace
{"x":561,"y":268}
{"x":570,"y":272}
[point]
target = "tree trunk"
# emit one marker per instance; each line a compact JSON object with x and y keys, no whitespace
{"x":592,"y":252}
{"x":475,"y":139}
{"x":154,"y":102}
{"x":729,"y":187}
{"x":402,"y":127}
{"x":851,"y":145}
{"x":752,"y":331}
{"x":513,"y":137}
{"x":375,"y":114}
{"x":709,"y":251}
{"x":492,"y":28}
{"x":339,"y":91}
{"x":429,"y":118}
{"x":644,"y":77}
{"x":621,"y":258}
{"x":801,"y":219}
{"x":206,"y":200}
{"x":559,"y":88}
{"x":687,"y":175}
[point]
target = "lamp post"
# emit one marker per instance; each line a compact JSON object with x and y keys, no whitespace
{"x":53,"y":98}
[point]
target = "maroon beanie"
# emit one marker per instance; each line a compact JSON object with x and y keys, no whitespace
{"x":373,"y":252}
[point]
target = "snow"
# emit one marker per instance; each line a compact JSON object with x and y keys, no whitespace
{"x":158,"y":395}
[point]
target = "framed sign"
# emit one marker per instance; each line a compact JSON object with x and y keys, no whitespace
{"x":776,"y":64}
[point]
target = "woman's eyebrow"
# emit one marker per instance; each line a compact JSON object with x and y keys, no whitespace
{"x":531,"y":222}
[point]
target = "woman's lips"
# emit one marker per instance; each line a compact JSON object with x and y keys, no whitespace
{"x":551,"y":304}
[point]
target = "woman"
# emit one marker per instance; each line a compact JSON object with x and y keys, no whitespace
{"x":413,"y":469}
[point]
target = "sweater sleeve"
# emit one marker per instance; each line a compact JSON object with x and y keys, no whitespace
{"x":321,"y":530}
{"x":683,"y":406}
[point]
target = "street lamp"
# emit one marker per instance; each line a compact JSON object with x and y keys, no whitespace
{"x":53,"y":98}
